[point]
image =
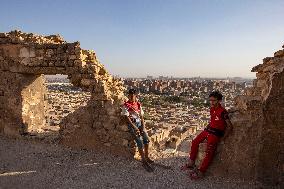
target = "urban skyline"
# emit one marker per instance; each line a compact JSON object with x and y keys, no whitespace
{"x":179,"y":38}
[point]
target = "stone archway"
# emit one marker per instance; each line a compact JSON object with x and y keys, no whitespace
{"x":24,"y":57}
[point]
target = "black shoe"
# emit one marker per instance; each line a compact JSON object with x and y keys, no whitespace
{"x":188,"y":167}
{"x":147,"y":167}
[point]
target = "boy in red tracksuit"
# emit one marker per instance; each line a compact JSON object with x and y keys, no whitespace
{"x":218,"y":128}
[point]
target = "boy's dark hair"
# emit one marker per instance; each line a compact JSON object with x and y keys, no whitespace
{"x":216,"y":94}
{"x":132,"y":91}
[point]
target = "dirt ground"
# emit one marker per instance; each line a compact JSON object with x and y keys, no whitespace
{"x":33,"y":164}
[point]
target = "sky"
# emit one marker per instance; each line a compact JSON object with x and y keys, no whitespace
{"x":180,"y":38}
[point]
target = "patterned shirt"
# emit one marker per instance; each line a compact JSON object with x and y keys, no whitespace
{"x":132,"y":109}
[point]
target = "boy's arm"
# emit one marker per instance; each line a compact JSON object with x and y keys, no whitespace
{"x":131,"y":123}
{"x":142,"y":119}
{"x":125,"y":113}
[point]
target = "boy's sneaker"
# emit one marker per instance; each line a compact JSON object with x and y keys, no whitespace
{"x":188,"y":167}
{"x":147,"y":167}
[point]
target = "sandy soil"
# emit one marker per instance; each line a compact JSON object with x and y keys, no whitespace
{"x":33,"y":164}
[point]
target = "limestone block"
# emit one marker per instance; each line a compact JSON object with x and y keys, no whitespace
{"x":123,"y":127}
{"x":26,"y":53}
{"x":279,"y":53}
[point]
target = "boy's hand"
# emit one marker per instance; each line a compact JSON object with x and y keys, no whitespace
{"x":141,"y":130}
{"x":137,"y":131}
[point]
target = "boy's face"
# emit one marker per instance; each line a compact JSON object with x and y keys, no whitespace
{"x":132,"y":97}
{"x":213,"y":101}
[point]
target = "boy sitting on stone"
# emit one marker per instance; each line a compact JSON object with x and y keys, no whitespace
{"x":219,"y":128}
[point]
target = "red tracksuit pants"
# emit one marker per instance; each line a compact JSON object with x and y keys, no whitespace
{"x":212,"y":142}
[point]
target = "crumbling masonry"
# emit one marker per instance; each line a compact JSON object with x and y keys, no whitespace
{"x":25,"y":57}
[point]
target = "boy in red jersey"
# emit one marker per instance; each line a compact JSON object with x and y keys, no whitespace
{"x":219,"y":128}
{"x":133,"y":112}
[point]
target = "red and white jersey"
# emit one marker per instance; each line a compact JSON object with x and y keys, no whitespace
{"x":132,"y":109}
{"x":218,"y":116}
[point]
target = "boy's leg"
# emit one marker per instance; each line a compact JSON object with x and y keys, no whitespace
{"x":146,"y":147}
{"x":146,"y":151}
{"x":141,"y":153}
{"x":144,"y":159}
{"x":195,"y":145}
{"x":212,"y":142}
{"x":140,"y":148}
{"x":138,"y":142}
{"x":194,"y":150}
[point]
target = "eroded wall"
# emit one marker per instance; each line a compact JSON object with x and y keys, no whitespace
{"x":21,"y":103}
{"x":96,"y":125}
{"x":255,"y":149}
{"x":33,"y":102}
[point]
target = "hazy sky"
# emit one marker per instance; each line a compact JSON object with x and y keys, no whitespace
{"x":184,"y":38}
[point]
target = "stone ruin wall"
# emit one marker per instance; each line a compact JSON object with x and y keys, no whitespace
{"x":16,"y":112}
{"x":255,"y":149}
{"x":25,"y":57}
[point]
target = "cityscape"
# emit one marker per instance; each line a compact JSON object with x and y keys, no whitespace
{"x":175,"y":108}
